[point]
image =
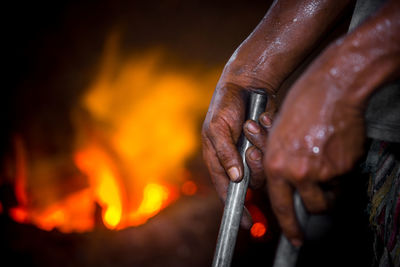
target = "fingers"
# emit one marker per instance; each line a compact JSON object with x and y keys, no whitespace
{"x":272,"y":107}
{"x":254,"y":161}
{"x":220,"y":180}
{"x":217,"y":172}
{"x":257,"y":135}
{"x":313,"y":197}
{"x":266,"y":120}
{"x":225,"y":148}
{"x":281,"y":196}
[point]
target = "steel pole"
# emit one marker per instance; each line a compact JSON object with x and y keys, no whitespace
{"x":287,"y":254}
{"x":237,"y":192}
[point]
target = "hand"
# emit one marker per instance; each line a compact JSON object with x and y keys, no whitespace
{"x":264,"y":60}
{"x":320,"y":132}
{"x":221,"y":130}
{"x":318,"y":135}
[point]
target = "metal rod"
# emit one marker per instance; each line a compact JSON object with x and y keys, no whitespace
{"x":286,"y":254}
{"x":237,"y":192}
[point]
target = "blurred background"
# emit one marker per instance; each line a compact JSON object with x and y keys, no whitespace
{"x":102,"y":105}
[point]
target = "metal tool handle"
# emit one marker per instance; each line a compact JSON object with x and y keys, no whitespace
{"x":237,"y":192}
{"x":287,"y":254}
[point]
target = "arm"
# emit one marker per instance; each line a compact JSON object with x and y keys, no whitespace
{"x":320,"y":133}
{"x":283,"y":38}
{"x":286,"y":34}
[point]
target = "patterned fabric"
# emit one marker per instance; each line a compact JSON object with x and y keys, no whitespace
{"x":383,"y":164}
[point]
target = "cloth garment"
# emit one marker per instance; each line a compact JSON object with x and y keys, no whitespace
{"x":383,"y":164}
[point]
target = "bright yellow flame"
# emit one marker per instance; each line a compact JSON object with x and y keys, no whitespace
{"x":108,"y":193}
{"x":104,"y":183}
{"x":112,"y":217}
{"x":154,"y":197}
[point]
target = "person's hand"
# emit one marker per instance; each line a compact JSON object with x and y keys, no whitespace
{"x":221,"y":130}
{"x":319,"y":133}
{"x":317,"y":136}
{"x":263,"y":61}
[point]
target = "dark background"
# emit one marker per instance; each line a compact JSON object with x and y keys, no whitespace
{"x":52,"y":52}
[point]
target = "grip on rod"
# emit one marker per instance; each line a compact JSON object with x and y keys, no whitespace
{"x":237,"y":192}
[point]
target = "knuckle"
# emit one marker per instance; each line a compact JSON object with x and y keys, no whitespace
{"x":299,"y":174}
{"x":216,"y":127}
{"x":224,"y":156}
{"x":274,"y":164}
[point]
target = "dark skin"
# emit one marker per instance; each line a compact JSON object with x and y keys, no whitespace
{"x":319,"y":132}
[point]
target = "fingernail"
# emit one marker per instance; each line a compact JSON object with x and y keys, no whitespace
{"x":296,"y":242}
{"x":253,"y":127}
{"x":266,"y":121}
{"x":233,"y":173}
{"x":255,"y":154}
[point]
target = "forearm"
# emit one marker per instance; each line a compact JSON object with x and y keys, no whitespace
{"x":368,"y":57}
{"x":286,"y":34}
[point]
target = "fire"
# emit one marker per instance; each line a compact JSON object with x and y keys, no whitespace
{"x":136,"y":125}
{"x":154,"y":198}
{"x":106,"y":187}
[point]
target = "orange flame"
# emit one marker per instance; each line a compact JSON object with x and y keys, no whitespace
{"x":150,"y":116}
{"x":106,"y":187}
{"x":136,"y":126}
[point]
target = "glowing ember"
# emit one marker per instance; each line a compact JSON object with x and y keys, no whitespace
{"x":18,"y":214}
{"x":260,"y":226}
{"x":189,"y":188}
{"x":258,"y":230}
{"x":73,"y":213}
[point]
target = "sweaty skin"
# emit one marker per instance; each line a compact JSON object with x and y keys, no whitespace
{"x":286,"y":34}
{"x":319,"y":133}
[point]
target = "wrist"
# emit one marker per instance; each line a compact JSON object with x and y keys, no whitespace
{"x":239,"y":74}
